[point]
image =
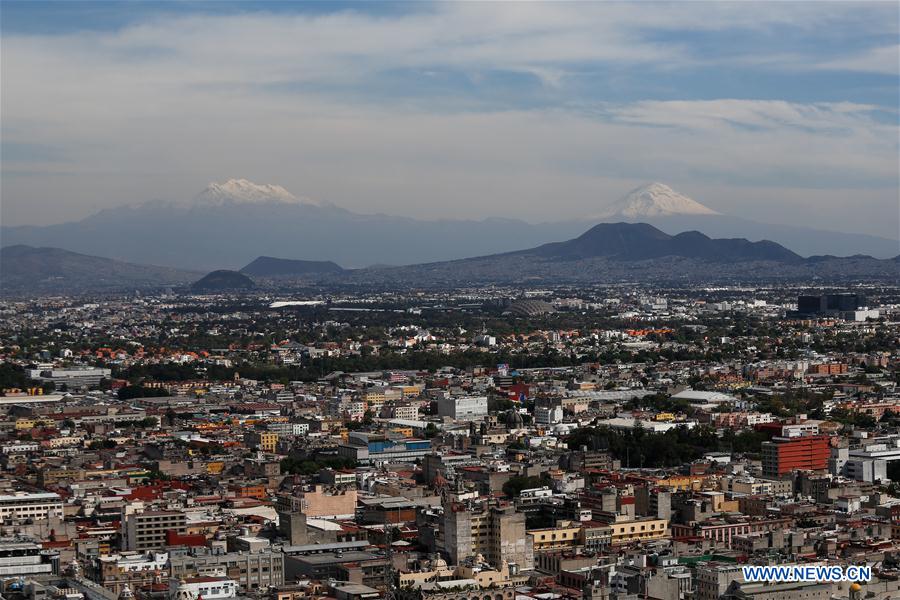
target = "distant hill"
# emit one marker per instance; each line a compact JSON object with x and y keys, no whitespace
{"x":223,"y":281}
{"x":640,"y":241}
{"x":267,"y":266}
{"x":30,"y":270}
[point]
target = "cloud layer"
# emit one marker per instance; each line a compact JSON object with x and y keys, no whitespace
{"x":543,"y":111}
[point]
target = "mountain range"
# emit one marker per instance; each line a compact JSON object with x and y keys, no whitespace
{"x":606,"y":253}
{"x":26,"y":270}
{"x":661,"y":206}
{"x":639,"y":253}
{"x":228,"y":224}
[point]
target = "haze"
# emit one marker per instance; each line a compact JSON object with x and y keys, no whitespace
{"x":780,"y":112}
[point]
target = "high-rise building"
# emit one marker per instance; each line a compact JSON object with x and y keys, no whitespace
{"x":147,"y":530}
{"x":496,"y":532}
{"x":782,"y":455}
{"x":833,"y":304}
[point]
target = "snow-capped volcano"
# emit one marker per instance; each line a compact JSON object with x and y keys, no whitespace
{"x":655,"y":200}
{"x":241,"y":191}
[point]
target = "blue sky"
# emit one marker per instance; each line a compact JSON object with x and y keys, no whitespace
{"x":783,"y":112}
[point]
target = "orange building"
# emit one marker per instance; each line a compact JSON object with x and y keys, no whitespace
{"x":783,"y":455}
{"x":249,"y":491}
{"x":828,"y":369}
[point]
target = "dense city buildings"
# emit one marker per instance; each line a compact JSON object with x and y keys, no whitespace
{"x":459,"y":445}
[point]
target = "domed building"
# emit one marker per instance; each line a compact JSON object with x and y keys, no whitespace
{"x":514,"y":420}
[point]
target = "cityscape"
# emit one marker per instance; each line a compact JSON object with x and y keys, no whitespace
{"x":449,"y":301}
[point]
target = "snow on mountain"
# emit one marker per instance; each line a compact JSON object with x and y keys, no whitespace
{"x":654,"y":200}
{"x":241,"y":191}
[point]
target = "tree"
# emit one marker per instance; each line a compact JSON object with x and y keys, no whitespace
{"x":12,"y":376}
{"x":102,"y":444}
{"x":310,"y":466}
{"x":138,"y":391}
{"x":514,"y":485}
{"x":148,"y":423}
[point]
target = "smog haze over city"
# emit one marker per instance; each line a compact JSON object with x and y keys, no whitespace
{"x":449,"y":301}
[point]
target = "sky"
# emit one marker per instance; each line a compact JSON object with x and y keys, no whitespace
{"x":776,"y":111}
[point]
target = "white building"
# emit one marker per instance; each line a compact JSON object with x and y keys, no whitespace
{"x":38,"y":506}
{"x":865,"y":469}
{"x":467,"y":408}
{"x":624,"y":423}
{"x":704,"y":398}
{"x":408,"y":412}
{"x":548,"y":415}
{"x":134,"y":562}
{"x":20,"y":447}
{"x":800,"y":429}
{"x":208,"y":588}
{"x":72,"y":378}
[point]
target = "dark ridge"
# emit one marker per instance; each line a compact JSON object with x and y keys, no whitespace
{"x":29,"y":269}
{"x":269,"y":266}
{"x":640,"y":241}
{"x":223,"y":281}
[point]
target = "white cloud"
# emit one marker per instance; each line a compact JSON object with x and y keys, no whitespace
{"x":885,"y":60}
{"x":159,"y":109}
{"x":762,"y":114}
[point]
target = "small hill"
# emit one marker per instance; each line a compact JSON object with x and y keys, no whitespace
{"x":223,"y":281}
{"x":30,"y":270}
{"x":268,"y":266}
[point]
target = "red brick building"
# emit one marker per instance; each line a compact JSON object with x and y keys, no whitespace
{"x":783,"y":455}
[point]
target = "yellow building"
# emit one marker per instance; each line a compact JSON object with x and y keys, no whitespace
{"x":374,"y":396}
{"x":683,"y":482}
{"x":484,"y":575}
{"x":624,"y":532}
{"x":261,"y":440}
{"x":409,"y":391}
{"x":567,"y":535}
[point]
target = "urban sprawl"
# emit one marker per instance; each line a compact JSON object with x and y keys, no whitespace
{"x":479,"y":444}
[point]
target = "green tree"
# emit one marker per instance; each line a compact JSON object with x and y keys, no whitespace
{"x":138,"y":391}
{"x":514,"y":485}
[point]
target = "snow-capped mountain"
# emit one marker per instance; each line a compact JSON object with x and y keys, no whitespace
{"x":241,"y":191}
{"x":655,"y":200}
{"x":274,"y":222}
